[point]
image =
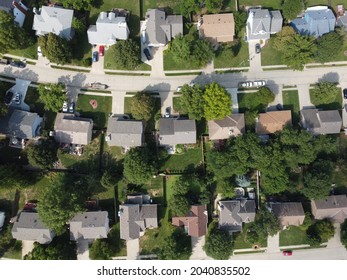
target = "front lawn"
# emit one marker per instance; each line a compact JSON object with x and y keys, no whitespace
{"x":240,"y":241}
{"x":246,"y":98}
{"x":100,"y":113}
{"x":291,"y":102}
{"x":293,"y":236}
{"x":225,"y":57}
{"x":171,"y":64}
{"x":269,"y":55}
{"x":335,"y":105}
{"x":81,"y":49}
{"x":177,"y":106}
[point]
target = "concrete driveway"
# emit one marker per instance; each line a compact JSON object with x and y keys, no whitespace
{"x":198,"y":252}
{"x":273,"y":243}
{"x":304,"y":96}
{"x":233,"y":94}
{"x":27,"y":247}
{"x":83,"y":250}
{"x":166,"y":101}
{"x":98,"y":66}
{"x":133,"y":249}
{"x":335,"y":242}
{"x":277,"y":90}
{"x":157,"y":61}
{"x":254,"y":58}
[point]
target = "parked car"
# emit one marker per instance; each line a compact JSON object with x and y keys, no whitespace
{"x":178,"y":89}
{"x":259,"y":83}
{"x":246,"y":84}
{"x":287,"y":253}
{"x":279,"y":107}
{"x":72,"y":107}
{"x":17,"y":98}
{"x":98,"y":86}
{"x":2,"y":220}
{"x":65,"y":107}
{"x":101,"y":50}
{"x":19,"y":64}
{"x":257,"y":48}
{"x":4,"y":61}
{"x":147,"y":54}
{"x":39,"y":51}
{"x":167,"y":112}
{"x":345,"y":93}
{"x":8,"y":98}
{"x":95,"y":56}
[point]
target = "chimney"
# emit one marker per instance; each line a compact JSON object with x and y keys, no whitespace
{"x":111,"y":16}
{"x":103,"y":15}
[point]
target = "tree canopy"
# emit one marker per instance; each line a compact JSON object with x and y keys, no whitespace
{"x":192,"y":101}
{"x":240,"y":18}
{"x":177,"y":246}
{"x":321,"y":231}
{"x":329,"y":46}
{"x":189,"y":6}
{"x":217,"y":102}
{"x":42,"y":155}
{"x":324,"y":92}
{"x":12,"y":177}
{"x":283,"y":38}
{"x":55,"y":48}
{"x":291,"y":8}
{"x":79,"y":4}
{"x":139,"y":166}
{"x":142,"y":105}
{"x":126,"y":54}
{"x":53,"y":96}
{"x":100,"y":250}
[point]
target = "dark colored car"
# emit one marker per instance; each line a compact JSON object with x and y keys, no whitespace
{"x":279,"y":107}
{"x":19,"y":64}
{"x":147,"y":54}
{"x":101,"y":50}
{"x":345,"y":93}
{"x":257,"y":48}
{"x":8,"y":97}
{"x":72,"y":107}
{"x":95,"y":56}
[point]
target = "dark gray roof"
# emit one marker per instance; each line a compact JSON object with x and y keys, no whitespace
{"x":287,"y":209}
{"x":24,"y":124}
{"x":174,"y":131}
{"x":89,"y":225}
{"x":342,"y":21}
{"x":276,"y":22}
{"x":330,"y":202}
{"x":126,"y":133}
{"x":29,"y":227}
{"x":321,"y":122}
{"x":138,"y":199}
{"x":232,"y":213}
{"x":6,"y":5}
{"x":261,"y":23}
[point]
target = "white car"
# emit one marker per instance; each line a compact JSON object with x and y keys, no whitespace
{"x":178,"y":89}
{"x":39,"y":51}
{"x":2,"y":219}
{"x":65,"y":109}
{"x":259,"y":83}
{"x":246,"y":84}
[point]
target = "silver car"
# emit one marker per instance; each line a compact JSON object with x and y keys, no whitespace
{"x":259,"y":83}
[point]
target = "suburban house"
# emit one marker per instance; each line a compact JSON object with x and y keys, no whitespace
{"x":69,"y":129}
{"x":288,"y":213}
{"x":160,"y":29}
{"x":341,"y":20}
{"x":17,"y":8}
{"x":173,"y":131}
{"x":55,"y":20}
{"x":194,"y":222}
{"x":24,"y":125}
{"x":321,"y":122}
{"x":333,"y":207}
{"x":89,"y":226}
{"x":273,"y":121}
{"x":136,"y":215}
{"x":218,"y":28}
{"x":316,"y":21}
{"x":110,"y":27}
{"x":124,"y":132}
{"x":230,"y":126}
{"x":28,"y":226}
{"x":232,"y":213}
{"x":261,"y":23}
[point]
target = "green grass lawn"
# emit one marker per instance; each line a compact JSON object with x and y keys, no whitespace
{"x":189,"y":160}
{"x":335,"y":105}
{"x":81,"y":49}
{"x":177,"y":106}
{"x":240,"y":241}
{"x":171,"y":64}
{"x":244,"y":99}
{"x":291,"y":102}
{"x":100,"y":114}
{"x":275,"y":4}
{"x":225,"y":58}
{"x":170,"y":184}
{"x":269,"y":55}
{"x":292,"y":236}
{"x":170,"y":7}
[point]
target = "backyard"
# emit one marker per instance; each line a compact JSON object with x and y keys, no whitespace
{"x":291,"y":102}
{"x":335,"y":105}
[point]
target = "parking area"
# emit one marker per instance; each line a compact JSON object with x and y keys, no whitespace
{"x":133,"y":249}
{"x":98,"y":65}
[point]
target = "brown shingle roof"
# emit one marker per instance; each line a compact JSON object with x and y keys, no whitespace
{"x":289,"y":213}
{"x":270,"y":122}
{"x":218,"y":27}
{"x":232,"y":125}
{"x":332,"y":207}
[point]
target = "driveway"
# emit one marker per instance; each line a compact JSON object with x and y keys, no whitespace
{"x":21,"y":87}
{"x":133,"y":249}
{"x":304,"y":96}
{"x":118,"y":102}
{"x":273,"y":243}
{"x":233,"y":93}
{"x":335,"y":242}
{"x":83,"y":250}
{"x":277,"y":90}
{"x":157,"y":61}
{"x":254,"y":58}
{"x":27,"y":247}
{"x":166,"y":101}
{"x":98,"y":66}
{"x":198,"y":252}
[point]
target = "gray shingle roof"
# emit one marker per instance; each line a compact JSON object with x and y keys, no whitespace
{"x":176,"y":131}
{"x":126,"y":133}
{"x":321,"y":122}
{"x":89,"y":225}
{"x":72,"y":130}
{"x":29,"y":227}
{"x":232,"y":213}
{"x":276,"y":22}
{"x":108,"y":29}
{"x":333,"y":207}
{"x":232,"y":125}
{"x":289,"y":213}
{"x":6,"y":5}
{"x":24,"y":124}
{"x":54,"y":20}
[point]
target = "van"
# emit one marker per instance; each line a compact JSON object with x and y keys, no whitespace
{"x":4,"y":61}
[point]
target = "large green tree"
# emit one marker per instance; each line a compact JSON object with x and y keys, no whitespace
{"x":12,"y":176}
{"x":283,"y":38}
{"x":180,"y":48}
{"x":218,"y":244}
{"x":214,"y":5}
{"x":240,"y":18}
{"x":176,"y":247}
{"x":192,"y":101}
{"x":324,"y":93}
{"x":217,"y":102}
{"x":321,"y":231}
{"x":291,"y":8}
{"x":55,"y":48}
{"x":329,"y":46}
{"x":42,"y":155}
{"x":189,"y":6}
{"x":52,"y":95}
{"x":267,"y":222}
{"x":139,"y":166}
{"x":79,"y":4}
{"x":344,"y":233}
{"x":202,"y":52}
{"x":100,"y":250}
{"x":142,"y":105}
{"x":126,"y":54}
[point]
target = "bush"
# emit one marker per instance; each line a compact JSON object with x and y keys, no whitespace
{"x":87,"y":62}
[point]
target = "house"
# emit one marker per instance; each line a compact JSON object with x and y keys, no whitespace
{"x":89,"y":226}
{"x":110,"y":27}
{"x":160,"y":29}
{"x":17,"y":8}
{"x":316,"y":21}
{"x":271,"y":122}
{"x":28,"y":226}
{"x":333,"y":207}
{"x":24,"y":125}
{"x":232,"y":213}
{"x":341,"y":20}
{"x":55,"y":20}
{"x":194,"y":222}
{"x":230,"y":126}
{"x":173,"y":131}
{"x":218,"y":28}
{"x":288,"y":213}
{"x":261,"y":23}
{"x":70,"y":129}
{"x":321,"y":122}
{"x":136,"y":216}
{"x":124,"y":132}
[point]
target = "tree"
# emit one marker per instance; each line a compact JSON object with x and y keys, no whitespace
{"x":189,"y":6}
{"x":217,"y":102}
{"x":176,"y":247}
{"x":139,"y":166}
{"x":192,"y":102}
{"x":320,"y":231}
{"x":53,"y":96}
{"x":179,"y":205}
{"x":100,"y":250}
{"x":60,"y":201}
{"x":299,"y":51}
{"x":267,"y":222}
{"x":291,"y":8}
{"x":11,"y":35}
{"x":344,"y":233}
{"x":329,"y":46}
{"x":283,"y":38}
{"x":214,"y":5}
{"x":126,"y":54}
{"x":202,"y":52}
{"x":55,"y":48}
{"x":142,"y":105}
{"x":12,"y":177}
{"x":79,"y":26}
{"x":240,"y":18}
{"x":78,"y":4}
{"x":180,"y":48}
{"x":42,"y":155}
{"x":324,"y":92}
{"x":218,"y":243}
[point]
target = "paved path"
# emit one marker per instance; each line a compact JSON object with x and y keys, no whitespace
{"x":166,"y":99}
{"x":273,"y":243}
{"x":254,"y":58}
{"x":118,"y":102}
{"x":277,"y":90}
{"x":83,"y":250}
{"x":335,"y":242}
{"x":198,"y":252}
{"x":27,"y":247}
{"x":133,"y":249}
{"x":157,"y":62}
{"x":304,"y":96}
{"x":233,"y":93}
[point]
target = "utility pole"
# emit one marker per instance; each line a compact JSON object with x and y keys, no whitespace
{"x":258,"y":194}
